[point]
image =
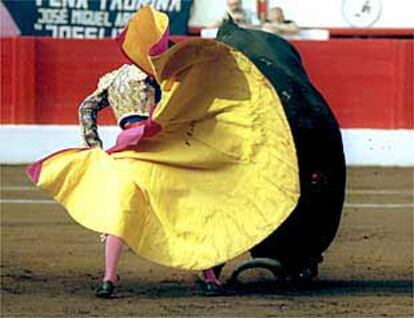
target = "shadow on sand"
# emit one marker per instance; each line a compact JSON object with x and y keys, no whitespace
{"x":326,"y":288}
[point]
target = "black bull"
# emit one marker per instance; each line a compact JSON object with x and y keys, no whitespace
{"x":313,"y":224}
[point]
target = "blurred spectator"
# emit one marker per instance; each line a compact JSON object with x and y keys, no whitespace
{"x":239,"y":14}
{"x":277,"y":23}
{"x":236,"y":11}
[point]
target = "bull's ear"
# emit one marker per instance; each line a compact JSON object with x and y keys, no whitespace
{"x":170,"y":43}
{"x":227,"y":26}
{"x":229,"y":21}
{"x":230,"y":18}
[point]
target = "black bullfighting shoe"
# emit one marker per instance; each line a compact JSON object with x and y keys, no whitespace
{"x":105,"y":290}
{"x":207,"y":287}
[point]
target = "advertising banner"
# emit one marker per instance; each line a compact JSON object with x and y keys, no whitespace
{"x":89,"y":18}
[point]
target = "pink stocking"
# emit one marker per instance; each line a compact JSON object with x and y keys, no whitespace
{"x":113,"y":251}
{"x":210,"y":277}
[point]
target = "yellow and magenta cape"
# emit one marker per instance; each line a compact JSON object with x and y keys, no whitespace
{"x":216,"y":178}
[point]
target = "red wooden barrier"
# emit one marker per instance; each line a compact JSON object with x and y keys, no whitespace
{"x":377,"y":33}
{"x":66,"y":72}
{"x":368,"y":83}
{"x":18,"y":93}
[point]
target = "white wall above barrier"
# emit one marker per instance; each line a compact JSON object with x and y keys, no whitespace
{"x":349,"y":13}
{"x":22,"y":144}
{"x":322,"y":13}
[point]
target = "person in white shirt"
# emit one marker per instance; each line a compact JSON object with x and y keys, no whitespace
{"x":277,"y":23}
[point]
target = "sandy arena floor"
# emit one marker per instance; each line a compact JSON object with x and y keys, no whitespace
{"x":50,"y":265}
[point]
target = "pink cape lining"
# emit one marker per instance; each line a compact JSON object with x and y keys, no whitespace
{"x":130,"y":137}
{"x":161,"y":46}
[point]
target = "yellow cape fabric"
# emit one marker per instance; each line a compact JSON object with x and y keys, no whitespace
{"x":145,"y":29}
{"x":218,"y":179}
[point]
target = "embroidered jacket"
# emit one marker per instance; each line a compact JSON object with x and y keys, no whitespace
{"x":126,"y":90}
